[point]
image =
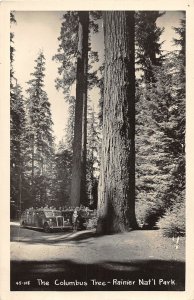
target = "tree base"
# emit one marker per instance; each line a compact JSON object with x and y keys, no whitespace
{"x":105,"y":227}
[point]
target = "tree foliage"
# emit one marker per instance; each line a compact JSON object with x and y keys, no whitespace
{"x":93,"y":158}
{"x":39,"y":132}
{"x":39,"y":175}
{"x":63,"y":169}
{"x":67,"y":59}
{"x":66,"y":56}
{"x":160,"y":140}
{"x":148,"y":45}
{"x":17,"y":135}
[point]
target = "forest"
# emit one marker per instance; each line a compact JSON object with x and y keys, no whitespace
{"x":127,"y":158}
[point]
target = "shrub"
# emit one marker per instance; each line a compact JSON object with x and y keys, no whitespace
{"x":173,"y":221}
{"x":148,"y":212}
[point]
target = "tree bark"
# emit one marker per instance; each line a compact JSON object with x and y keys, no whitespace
{"x":83,"y":195}
{"x":32,"y":175}
{"x":79,"y":143}
{"x":116,"y":204}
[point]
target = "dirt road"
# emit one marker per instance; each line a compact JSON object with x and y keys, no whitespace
{"x":133,"y":256}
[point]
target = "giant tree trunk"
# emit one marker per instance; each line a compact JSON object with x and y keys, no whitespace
{"x":32,"y":174}
{"x":83,"y":193}
{"x":116,"y":206}
{"x":79,"y":156}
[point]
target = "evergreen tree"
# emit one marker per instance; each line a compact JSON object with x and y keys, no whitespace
{"x":149,"y":155}
{"x":67,"y":57}
{"x":39,"y":134}
{"x":70,"y":124}
{"x":101,"y":87}
{"x":180,"y":41}
{"x":78,"y":185}
{"x":148,"y":52}
{"x":67,"y":53}
{"x":153,"y":159}
{"x":173,"y":221}
{"x":63,"y":162}
{"x":12,"y":49}
{"x":160,"y":132}
{"x":17,"y":145}
{"x":17,"y":136}
{"x":116,"y":203}
{"x":92,"y":157}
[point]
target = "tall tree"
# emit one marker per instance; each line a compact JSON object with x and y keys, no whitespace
{"x":116,"y":206}
{"x":93,"y":143}
{"x":69,"y":130}
{"x":148,"y":151}
{"x":63,"y":161}
{"x":39,"y":132}
{"x":67,"y":58}
{"x":12,"y":49}
{"x":160,"y":161}
{"x":67,"y":53}
{"x":17,"y":133}
{"x":176,"y":127}
{"x":79,"y":154}
{"x":17,"y":144}
{"x":147,"y":36}
{"x":153,"y":159}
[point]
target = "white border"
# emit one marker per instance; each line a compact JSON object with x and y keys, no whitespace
{"x":47,"y":5}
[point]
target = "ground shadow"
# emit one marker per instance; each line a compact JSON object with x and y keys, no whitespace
{"x":55,"y":237}
{"x":67,"y":275}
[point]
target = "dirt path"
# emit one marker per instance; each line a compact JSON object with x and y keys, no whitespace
{"x":85,"y":246}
